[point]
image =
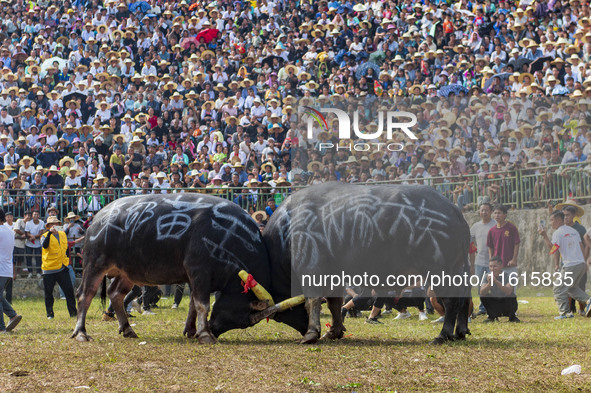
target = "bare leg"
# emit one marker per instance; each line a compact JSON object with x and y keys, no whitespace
{"x":337,"y":329}
{"x":375,"y":311}
{"x":437,"y":306}
{"x":313,"y":308}
{"x":117,"y":291}
{"x":91,"y":279}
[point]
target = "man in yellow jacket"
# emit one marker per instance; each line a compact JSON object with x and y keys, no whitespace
{"x":54,"y":266}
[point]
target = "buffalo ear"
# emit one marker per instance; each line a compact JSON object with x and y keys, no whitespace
{"x":259,"y":305}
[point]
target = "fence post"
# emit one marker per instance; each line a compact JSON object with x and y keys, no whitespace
{"x":476,"y":188}
{"x":519,"y":189}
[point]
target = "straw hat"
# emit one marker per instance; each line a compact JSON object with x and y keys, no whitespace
{"x":569,"y":202}
{"x":52,"y":220}
{"x":65,"y":160}
{"x":99,"y":177}
{"x":136,"y":139}
{"x":72,"y":216}
{"x":262,"y":212}
{"x":266,"y":164}
{"x":320,"y":165}
{"x":26,"y":158}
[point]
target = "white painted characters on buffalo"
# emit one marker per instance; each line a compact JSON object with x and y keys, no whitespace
{"x":360,"y":221}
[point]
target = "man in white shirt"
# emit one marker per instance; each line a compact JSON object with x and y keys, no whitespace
{"x":6,"y":272}
{"x":479,"y":257}
{"x":260,"y":145}
{"x":566,"y":243}
{"x":33,"y":231}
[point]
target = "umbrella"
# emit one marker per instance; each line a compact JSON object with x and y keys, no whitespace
{"x":503,"y":76}
{"x":208,"y":35}
{"x":74,"y":95}
{"x":49,"y":62}
{"x":377,"y":57}
{"x":518,"y":64}
{"x":538,"y":64}
{"x":19,"y":57}
{"x":449,"y":89}
{"x":560,"y":90}
{"x":270,"y":60}
{"x":466,"y":13}
{"x":186,"y":42}
{"x":362,"y":69}
{"x":142,"y":6}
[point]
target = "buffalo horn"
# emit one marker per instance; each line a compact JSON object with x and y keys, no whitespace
{"x":259,"y":291}
{"x":282,"y":306}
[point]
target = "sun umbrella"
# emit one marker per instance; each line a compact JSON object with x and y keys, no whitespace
{"x":270,"y":60}
{"x":503,"y":76}
{"x":518,"y":64}
{"x":362,"y":69}
{"x":19,"y":57}
{"x":377,"y":57}
{"x":142,"y":6}
{"x":74,"y":95}
{"x":445,"y":91}
{"x":208,"y":35}
{"x":49,"y":62}
{"x":186,"y":42}
{"x":538,"y":64}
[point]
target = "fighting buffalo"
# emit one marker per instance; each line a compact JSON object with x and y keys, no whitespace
{"x":206,"y":241}
{"x":398,"y":229}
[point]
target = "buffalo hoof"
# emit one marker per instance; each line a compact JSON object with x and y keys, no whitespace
{"x":190,"y":333}
{"x":206,"y":338}
{"x":81,"y":337}
{"x":129,"y":333}
{"x":334,"y":334}
{"x":310,"y":338}
{"x":438,"y":340}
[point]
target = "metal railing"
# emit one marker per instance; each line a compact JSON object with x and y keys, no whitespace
{"x":519,"y":188}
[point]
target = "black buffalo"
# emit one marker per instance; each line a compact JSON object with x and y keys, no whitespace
{"x":176,"y":238}
{"x":414,"y":229}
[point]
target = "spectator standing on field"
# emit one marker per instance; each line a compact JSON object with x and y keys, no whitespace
{"x":33,"y":230}
{"x":55,"y":266}
{"x":6,"y":248}
{"x":566,"y":243}
{"x":480,"y":258}
{"x":503,"y":240}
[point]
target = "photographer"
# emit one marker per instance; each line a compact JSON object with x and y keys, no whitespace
{"x":497,"y":296}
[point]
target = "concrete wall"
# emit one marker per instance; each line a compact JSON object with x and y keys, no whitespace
{"x":533,"y":254}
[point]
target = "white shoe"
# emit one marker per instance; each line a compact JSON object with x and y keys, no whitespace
{"x":423,"y":316}
{"x":136,"y":306}
{"x":403,"y":315}
{"x":438,"y":320}
{"x":148,"y":312}
{"x":30,"y":275}
{"x":175,"y":306}
{"x":38,"y":275}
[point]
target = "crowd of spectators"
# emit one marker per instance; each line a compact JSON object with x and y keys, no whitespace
{"x":168,"y":94}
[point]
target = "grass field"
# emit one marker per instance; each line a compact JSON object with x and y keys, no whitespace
{"x":39,"y":356}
